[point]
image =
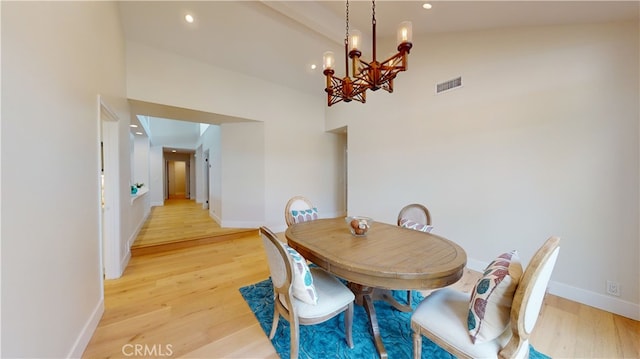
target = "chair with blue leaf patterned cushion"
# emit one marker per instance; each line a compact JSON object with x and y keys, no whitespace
{"x":299,"y":209}
{"x":314,"y":285}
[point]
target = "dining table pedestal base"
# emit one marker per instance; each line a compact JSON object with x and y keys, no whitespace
{"x":365,"y":296}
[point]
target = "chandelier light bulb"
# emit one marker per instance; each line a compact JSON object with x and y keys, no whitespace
{"x":355,"y":40}
{"x":405,"y":32}
{"x":328,"y":60}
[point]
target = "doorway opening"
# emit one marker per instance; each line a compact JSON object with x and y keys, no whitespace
{"x":178,"y":180}
{"x":109,"y":191}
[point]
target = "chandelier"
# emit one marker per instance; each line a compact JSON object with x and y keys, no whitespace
{"x":372,"y":75}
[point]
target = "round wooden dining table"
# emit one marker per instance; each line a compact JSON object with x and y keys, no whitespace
{"x":388,"y":257}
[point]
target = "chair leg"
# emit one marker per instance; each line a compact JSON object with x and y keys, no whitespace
{"x":348,"y":324}
{"x":417,"y":345}
{"x":294,"y":338}
{"x":409,"y":297}
{"x":274,"y":326}
{"x":516,"y":348}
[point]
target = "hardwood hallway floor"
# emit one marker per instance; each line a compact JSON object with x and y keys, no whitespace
{"x":180,"y":223}
{"x":184,"y":302}
{"x":179,"y":294}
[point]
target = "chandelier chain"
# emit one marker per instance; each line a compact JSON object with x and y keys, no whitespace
{"x":347,"y":17}
{"x":346,"y":43}
{"x":373,"y":12}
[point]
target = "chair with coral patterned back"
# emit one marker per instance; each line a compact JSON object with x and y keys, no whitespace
{"x":496,"y":319}
{"x":415,"y":216}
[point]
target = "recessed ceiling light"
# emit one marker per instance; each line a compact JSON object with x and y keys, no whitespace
{"x":134,"y":126}
{"x":188,"y":18}
{"x":426,"y":6}
{"x":139,"y":133}
{"x":313,"y":66}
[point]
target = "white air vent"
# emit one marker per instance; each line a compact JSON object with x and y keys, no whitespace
{"x":449,"y":85}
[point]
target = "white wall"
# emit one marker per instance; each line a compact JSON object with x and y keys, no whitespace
{"x":156,"y":180}
{"x":56,"y":59}
{"x":141,"y":161}
{"x":301,"y":158}
{"x":139,"y":209}
{"x":541,"y":140}
{"x":242,"y":169}
{"x":140,"y":205}
{"x":298,"y":156}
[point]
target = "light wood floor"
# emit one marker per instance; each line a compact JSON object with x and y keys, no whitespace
{"x":186,"y":301}
{"x":180,"y":223}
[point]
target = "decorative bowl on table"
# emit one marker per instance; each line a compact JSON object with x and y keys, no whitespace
{"x":359,"y":225}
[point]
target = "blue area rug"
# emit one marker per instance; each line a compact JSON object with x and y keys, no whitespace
{"x":327,"y":340}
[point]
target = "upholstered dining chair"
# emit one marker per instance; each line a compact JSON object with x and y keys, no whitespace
{"x":414,"y":216}
{"x":415,"y":213}
{"x":299,"y":209}
{"x":303,"y":295}
{"x":449,"y":317}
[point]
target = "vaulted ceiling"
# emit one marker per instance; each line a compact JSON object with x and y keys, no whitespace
{"x":278,"y":41}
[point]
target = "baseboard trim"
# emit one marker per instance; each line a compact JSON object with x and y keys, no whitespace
{"x":124,"y":262}
{"x":240,"y":224}
{"x":215,"y":217}
{"x":87,"y":331}
{"x":135,"y":233}
{"x":278,"y":228}
{"x":597,"y":300}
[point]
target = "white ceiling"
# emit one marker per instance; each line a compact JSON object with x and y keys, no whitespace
{"x":279,"y":40}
